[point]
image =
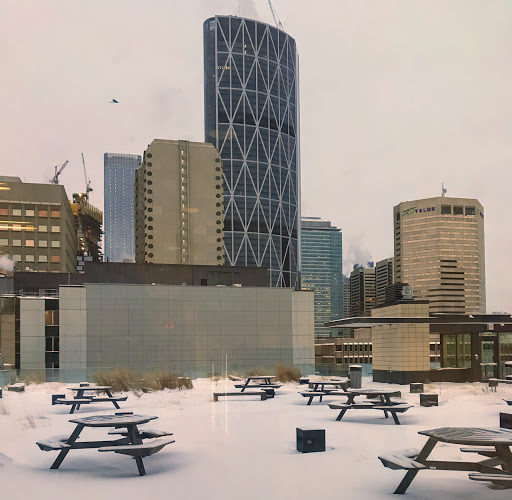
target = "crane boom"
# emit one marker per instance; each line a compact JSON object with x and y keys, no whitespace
{"x":58,"y":171}
{"x":276,"y":19}
{"x":88,"y":187}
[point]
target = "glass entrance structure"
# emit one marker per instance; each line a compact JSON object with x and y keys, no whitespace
{"x":252,"y":118}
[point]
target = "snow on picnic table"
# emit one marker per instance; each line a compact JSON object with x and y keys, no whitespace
{"x":242,"y":447}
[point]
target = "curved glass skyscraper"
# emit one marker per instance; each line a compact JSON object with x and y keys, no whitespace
{"x":252,"y":118}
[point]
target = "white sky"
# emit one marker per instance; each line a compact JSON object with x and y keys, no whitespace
{"x":397,"y":96}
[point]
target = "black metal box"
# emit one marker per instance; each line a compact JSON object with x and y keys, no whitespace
{"x":429,"y":399}
{"x":415,"y":387}
{"x":506,"y":420}
{"x":310,"y":440}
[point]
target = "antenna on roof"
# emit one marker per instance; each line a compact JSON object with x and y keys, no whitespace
{"x":443,"y":190}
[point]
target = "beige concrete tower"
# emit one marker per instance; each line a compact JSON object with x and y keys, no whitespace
{"x":37,"y":227}
{"x":439,"y":251}
{"x":178,"y":204}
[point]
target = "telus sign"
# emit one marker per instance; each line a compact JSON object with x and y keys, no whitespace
{"x":416,"y":210}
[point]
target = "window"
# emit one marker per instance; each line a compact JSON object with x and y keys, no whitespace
{"x":470,"y":210}
{"x":446,"y":209}
{"x":16,"y":212}
{"x":4,"y":242}
{"x":29,"y":243}
{"x":42,"y":243}
{"x":16,"y":258}
{"x":56,"y":258}
{"x":458,"y":211}
{"x":55,"y":244}
{"x":43,"y":213}
{"x":52,"y":318}
{"x":43,"y":229}
{"x":4,"y":211}
{"x":29,"y":212}
{"x":16,"y":243}
{"x":42,"y":258}
{"x":55,"y":229}
{"x":29,"y":258}
{"x":55,"y":213}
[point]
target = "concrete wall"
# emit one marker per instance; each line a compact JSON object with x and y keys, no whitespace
{"x":187,"y":329}
{"x":401,"y":347}
{"x":178,"y":204}
{"x":73,"y":328}
{"x":32,"y":333}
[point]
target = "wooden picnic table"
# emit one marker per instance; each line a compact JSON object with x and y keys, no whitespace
{"x":493,"y":444}
{"x":130,"y":444}
{"x":82,"y":389}
{"x":385,"y":403}
{"x":260,"y":380}
{"x":319,"y":385}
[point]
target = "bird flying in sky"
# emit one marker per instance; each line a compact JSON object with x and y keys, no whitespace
{"x":114,"y":101}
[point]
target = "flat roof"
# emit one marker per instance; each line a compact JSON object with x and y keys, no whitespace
{"x":445,"y":319}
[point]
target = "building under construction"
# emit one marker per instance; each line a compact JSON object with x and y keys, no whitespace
{"x":88,"y":220}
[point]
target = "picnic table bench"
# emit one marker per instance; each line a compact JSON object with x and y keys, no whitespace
{"x":263,"y":394}
{"x":131,"y":443}
{"x":492,"y":444}
{"x":493,"y":382}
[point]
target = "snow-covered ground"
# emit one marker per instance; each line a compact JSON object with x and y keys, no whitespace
{"x":241,"y":448}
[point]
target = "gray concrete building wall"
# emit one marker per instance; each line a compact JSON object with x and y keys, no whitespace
{"x":32,"y":333}
{"x":179,"y":214}
{"x":73,"y":321}
{"x":187,"y":329}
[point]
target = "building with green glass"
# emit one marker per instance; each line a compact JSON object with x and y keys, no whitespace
{"x":321,"y":269}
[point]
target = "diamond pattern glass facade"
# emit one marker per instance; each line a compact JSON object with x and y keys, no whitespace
{"x":252,"y":118}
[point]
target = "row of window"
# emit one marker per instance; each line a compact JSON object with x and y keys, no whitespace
{"x":30,"y":212}
{"x":40,"y":258}
{"x":4,"y":242}
{"x":18,"y":227}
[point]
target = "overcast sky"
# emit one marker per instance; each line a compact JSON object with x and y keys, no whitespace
{"x":397,"y":96}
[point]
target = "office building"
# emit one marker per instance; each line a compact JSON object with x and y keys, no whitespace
{"x":439,"y":251}
{"x":383,"y":278}
{"x":362,"y":291}
{"x":346,"y":296}
{"x":88,"y":221}
{"x":252,"y":118}
{"x":321,"y":257}
{"x":37,"y":230}
{"x":178,"y":204}
{"x":119,"y":206}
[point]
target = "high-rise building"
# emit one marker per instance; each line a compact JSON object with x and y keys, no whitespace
{"x":439,"y":251}
{"x":322,"y":269}
{"x":383,"y":278}
{"x":88,"y":221}
{"x":119,"y":206}
{"x":252,"y":118}
{"x":178,"y":204}
{"x":362,"y":291}
{"x":346,"y":297}
{"x":37,"y":230}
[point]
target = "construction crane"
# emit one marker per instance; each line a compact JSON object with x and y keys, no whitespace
{"x":274,"y":15}
{"x":88,"y":187}
{"x":58,"y":171}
